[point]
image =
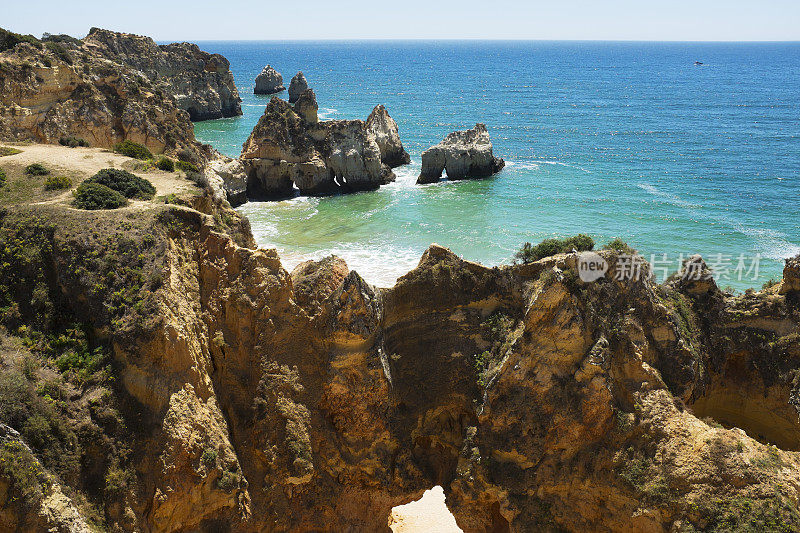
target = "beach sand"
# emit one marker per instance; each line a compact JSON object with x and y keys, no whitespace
{"x":429,"y":514}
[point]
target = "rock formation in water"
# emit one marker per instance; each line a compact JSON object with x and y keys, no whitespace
{"x":269,"y":81}
{"x":297,"y":86}
{"x":289,"y":147}
{"x":201,"y":83}
{"x":791,"y":276}
{"x":463,"y":155}
{"x":248,"y":398}
{"x":384,"y":128}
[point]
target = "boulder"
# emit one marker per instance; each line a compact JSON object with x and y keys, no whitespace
{"x":463,"y":155}
{"x":384,"y":128}
{"x":791,"y":276}
{"x":227,"y":179}
{"x":297,"y":86}
{"x":306,"y":106}
{"x":269,"y":81}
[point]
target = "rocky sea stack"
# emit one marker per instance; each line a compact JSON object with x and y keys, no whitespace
{"x":269,"y":81}
{"x":297,"y":86}
{"x":384,"y":128}
{"x":290,"y":148}
{"x":463,"y":155}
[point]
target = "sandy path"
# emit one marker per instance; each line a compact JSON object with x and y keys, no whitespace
{"x":81,"y":163}
{"x":429,"y":514}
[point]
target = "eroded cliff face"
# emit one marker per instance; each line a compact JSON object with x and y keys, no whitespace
{"x":113,"y":86}
{"x":260,"y":400}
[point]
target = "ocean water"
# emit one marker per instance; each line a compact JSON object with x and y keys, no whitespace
{"x":629,"y":140}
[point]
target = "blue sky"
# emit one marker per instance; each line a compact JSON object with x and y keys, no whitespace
{"x":415,"y":19}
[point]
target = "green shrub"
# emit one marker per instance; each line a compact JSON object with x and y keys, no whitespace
{"x":549,"y":247}
{"x":72,"y":142}
{"x":2,"y":178}
{"x":132,"y":149}
{"x":7,"y":150}
{"x":127,"y":184}
{"x":166,"y":164}
{"x":59,"y":51}
{"x":55,"y":183}
{"x":620,"y":246}
{"x":186,"y":166}
{"x":36,"y":169}
{"x":10,"y":39}
{"x":209,"y":457}
{"x":97,"y":196}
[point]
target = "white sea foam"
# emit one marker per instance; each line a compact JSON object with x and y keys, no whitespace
{"x":378,"y":265}
{"x":325,"y":113}
{"x":560,"y":164}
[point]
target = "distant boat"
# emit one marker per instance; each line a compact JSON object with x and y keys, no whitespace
{"x":698,"y":63}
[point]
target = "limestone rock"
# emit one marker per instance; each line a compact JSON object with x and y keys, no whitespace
{"x":384,"y":128}
{"x":791,"y":276}
{"x":297,"y":86}
{"x":306,"y":106}
{"x":286,"y":149}
{"x":269,"y":81}
{"x":228,"y":180}
{"x":463,"y":155}
{"x":111,"y":87}
{"x":201,"y":83}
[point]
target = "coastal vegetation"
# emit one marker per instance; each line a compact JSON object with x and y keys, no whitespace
{"x":127,"y":184}
{"x":55,"y":183}
{"x":98,"y":196}
{"x":549,"y":247}
{"x":73,"y":142}
{"x":166,"y":164}
{"x":132,"y":149}
{"x":36,"y":169}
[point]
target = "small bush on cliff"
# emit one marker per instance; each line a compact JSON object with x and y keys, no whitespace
{"x":10,"y":39}
{"x":97,"y":196}
{"x":7,"y":150}
{"x":618,"y":245}
{"x":186,"y":166}
{"x":2,"y":178}
{"x":72,"y":142}
{"x":55,"y":183}
{"x":127,"y":184}
{"x":59,"y":51}
{"x":549,"y":247}
{"x":166,"y":164}
{"x":132,"y":149}
{"x":36,"y":169}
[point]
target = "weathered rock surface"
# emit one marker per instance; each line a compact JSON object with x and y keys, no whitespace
{"x":791,"y":276}
{"x":463,"y":155}
{"x":537,"y":401}
{"x":269,"y":81}
{"x":111,"y":87}
{"x":288,"y":148}
{"x":227,"y":179}
{"x":201,"y":83}
{"x":306,"y":106}
{"x":297,"y":86}
{"x":384,"y":128}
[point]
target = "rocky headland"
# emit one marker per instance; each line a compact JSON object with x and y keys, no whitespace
{"x":463,"y":155}
{"x":161,"y":373}
{"x":290,"y":147}
{"x":269,"y":81}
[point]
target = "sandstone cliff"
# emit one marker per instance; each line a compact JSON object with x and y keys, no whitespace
{"x":269,"y":81}
{"x":111,"y":87}
{"x":246,"y":398}
{"x":201,"y":83}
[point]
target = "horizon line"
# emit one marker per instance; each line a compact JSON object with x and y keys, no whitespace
{"x":489,"y":40}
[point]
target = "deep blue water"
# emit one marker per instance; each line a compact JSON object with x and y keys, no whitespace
{"x":629,"y":140}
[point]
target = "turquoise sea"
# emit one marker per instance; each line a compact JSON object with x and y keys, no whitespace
{"x":629,"y":140}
